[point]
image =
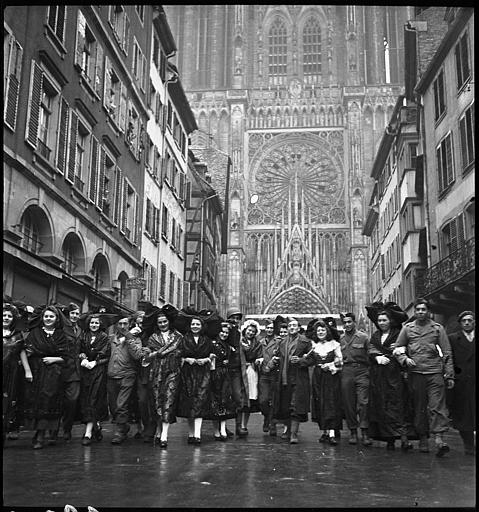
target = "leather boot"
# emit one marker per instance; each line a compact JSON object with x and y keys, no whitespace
{"x":441,"y":447}
{"x":286,"y":434}
{"x":294,"y":432}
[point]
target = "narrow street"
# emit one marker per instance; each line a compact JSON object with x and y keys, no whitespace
{"x":259,"y":471}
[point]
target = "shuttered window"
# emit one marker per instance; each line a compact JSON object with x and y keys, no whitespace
{"x":33,"y":117}
{"x":466,"y":130}
{"x":118,"y":183}
{"x":148,"y":216}
{"x":445,"y":163}
{"x":453,"y":235}
{"x":172,"y":288}
{"x":70,"y":176}
{"x":162,"y":280}
{"x":62,"y":136}
{"x":12,"y":53}
{"x":439,"y":96}
{"x":93,"y":178}
{"x":463,"y":69}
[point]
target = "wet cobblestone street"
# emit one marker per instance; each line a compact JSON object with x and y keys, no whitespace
{"x":259,"y":471}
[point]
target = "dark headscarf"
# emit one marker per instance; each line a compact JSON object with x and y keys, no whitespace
{"x":396,"y":314}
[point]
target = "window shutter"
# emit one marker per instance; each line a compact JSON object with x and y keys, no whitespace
{"x":118,"y":194}
{"x":80,"y":40}
{"x":143,"y":73}
{"x":72,"y":147}
{"x":124,"y":204}
{"x":61,"y":10}
{"x":126,"y":35}
{"x":136,"y":223}
{"x":123,"y":107}
{"x":466,"y":72}
{"x":107,"y":85}
{"x":460,"y":230}
{"x":13,"y":84}
{"x":62,"y":136}
{"x":101,"y":179}
{"x":453,"y":236}
{"x":33,"y":119}
{"x":98,"y":69}
{"x":93,"y":192}
{"x":148,"y":216}
{"x":449,"y":162}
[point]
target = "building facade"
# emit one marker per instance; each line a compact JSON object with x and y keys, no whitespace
{"x":75,"y":116}
{"x":166,"y":173}
{"x":299,"y":96}
{"x":445,"y":92}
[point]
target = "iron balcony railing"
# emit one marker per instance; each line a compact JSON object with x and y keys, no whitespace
{"x":450,"y":269}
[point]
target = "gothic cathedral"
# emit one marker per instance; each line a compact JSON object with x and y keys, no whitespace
{"x":299,"y":96}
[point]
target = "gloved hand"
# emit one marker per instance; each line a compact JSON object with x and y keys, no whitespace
{"x":382,"y":360}
{"x":84,"y":363}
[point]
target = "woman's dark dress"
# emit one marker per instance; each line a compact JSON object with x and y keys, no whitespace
{"x":43,"y":396}
{"x":222,"y":405}
{"x":13,"y":344}
{"x":93,"y":389}
{"x":326,"y":394}
{"x":164,"y":374}
{"x":389,"y":404}
{"x":194,"y":389}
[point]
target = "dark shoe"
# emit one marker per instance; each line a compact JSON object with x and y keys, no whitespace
{"x":229,"y":433}
{"x":286,"y":435}
{"x":241,"y":431}
{"x":294,"y":438}
{"x":353,"y":438}
{"x":118,"y":438}
{"x":86,"y":441}
{"x":218,"y":438}
{"x":390,"y":446}
{"x":223,"y":438}
{"x":196,"y":441}
{"x":67,"y":435}
{"x":163,"y":444}
{"x":324,"y":438}
{"x":406,"y":446}
{"x":52,"y":440}
{"x":366,"y":440}
{"x":97,"y":435}
{"x":191,"y":440}
{"x":265,"y":426}
{"x":272,"y":431}
{"x":333,"y":441}
{"x":442,"y":449}
{"x":12,"y":436}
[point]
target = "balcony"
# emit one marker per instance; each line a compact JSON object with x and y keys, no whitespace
{"x":448,"y":271}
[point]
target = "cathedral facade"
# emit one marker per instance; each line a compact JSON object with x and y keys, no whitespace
{"x":299,"y":96}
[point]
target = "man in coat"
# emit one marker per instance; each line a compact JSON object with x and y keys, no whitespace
{"x":355,"y":379}
{"x":126,"y":352}
{"x":292,"y":400}
{"x":423,"y":346}
{"x":463,"y":395}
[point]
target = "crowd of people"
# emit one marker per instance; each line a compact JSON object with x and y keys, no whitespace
{"x":408,"y":381}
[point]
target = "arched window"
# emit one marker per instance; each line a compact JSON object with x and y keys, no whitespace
{"x":312,"y":48}
{"x":31,"y":233}
{"x":73,"y":254}
{"x":278,"y":50}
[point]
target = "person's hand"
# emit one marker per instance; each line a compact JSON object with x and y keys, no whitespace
{"x":410,"y":362}
{"x":275,"y":359}
{"x":49,"y":360}
{"x":135,"y":330}
{"x":294,"y":359}
{"x":92,"y":365}
{"x":382,"y":360}
{"x":28,"y":375}
{"x":203,"y":361}
{"x":189,"y":360}
{"x":259,"y":361}
{"x":449,"y":383}
{"x":82,"y":355}
{"x":84,"y":363}
{"x":399,"y":351}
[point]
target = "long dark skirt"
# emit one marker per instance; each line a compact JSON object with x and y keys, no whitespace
{"x":389,"y":403}
{"x":164,"y":392}
{"x":43,"y":396}
{"x":194,"y":391}
{"x":326,"y":399}
{"x":222,"y":405}
{"x":93,"y":394}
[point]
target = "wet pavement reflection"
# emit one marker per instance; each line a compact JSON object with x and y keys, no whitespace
{"x":258,"y":471}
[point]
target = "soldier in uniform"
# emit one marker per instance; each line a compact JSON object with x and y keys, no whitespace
{"x":423,"y":346}
{"x":355,"y":379}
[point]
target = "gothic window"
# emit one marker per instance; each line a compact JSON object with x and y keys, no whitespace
{"x":312,"y":48}
{"x":278,"y":50}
